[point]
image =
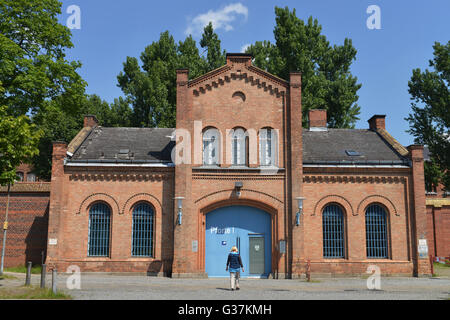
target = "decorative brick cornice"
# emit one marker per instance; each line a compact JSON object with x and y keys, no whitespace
{"x":250,"y":74}
{"x":117,"y":176}
{"x":438,"y":203}
{"x":352,"y":179}
{"x":28,"y":187}
{"x":238,"y":177}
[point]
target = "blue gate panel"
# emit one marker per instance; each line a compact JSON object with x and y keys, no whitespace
{"x":233,"y":226}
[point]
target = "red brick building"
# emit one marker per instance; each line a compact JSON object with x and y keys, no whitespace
{"x":164,"y":201}
{"x":438,"y":218}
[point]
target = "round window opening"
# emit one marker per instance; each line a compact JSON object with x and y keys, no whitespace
{"x":239,"y":97}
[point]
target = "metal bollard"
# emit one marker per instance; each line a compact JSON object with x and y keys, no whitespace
{"x":54,"y":280}
{"x":43,"y":274}
{"x":28,"y":277}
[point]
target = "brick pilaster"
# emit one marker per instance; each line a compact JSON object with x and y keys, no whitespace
{"x":419,"y":218}
{"x":295,"y":167}
{"x":56,"y":204}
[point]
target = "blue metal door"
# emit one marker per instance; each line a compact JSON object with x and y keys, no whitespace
{"x":234,"y":226}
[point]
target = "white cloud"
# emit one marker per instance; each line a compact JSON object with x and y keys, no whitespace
{"x":220,"y":19}
{"x":245,"y":47}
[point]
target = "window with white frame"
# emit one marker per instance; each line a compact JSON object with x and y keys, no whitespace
{"x":267,"y":147}
{"x":238,"y":147}
{"x":211,"y":143}
{"x":31,"y":177}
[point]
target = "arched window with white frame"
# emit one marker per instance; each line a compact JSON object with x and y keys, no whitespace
{"x":238,"y":147}
{"x":211,"y":147}
{"x":268,"y":141}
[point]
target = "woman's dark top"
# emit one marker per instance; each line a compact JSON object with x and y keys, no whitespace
{"x":234,"y":261}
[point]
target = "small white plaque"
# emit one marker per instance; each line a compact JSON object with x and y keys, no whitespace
{"x":423,"y":248}
{"x":53,"y":242}
{"x":194,"y":246}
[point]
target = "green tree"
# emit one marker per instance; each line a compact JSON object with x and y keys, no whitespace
{"x":18,"y":143}
{"x":215,"y":57}
{"x":429,"y":121}
{"x":326,"y":78}
{"x":150,"y":84}
{"x":33,"y":67}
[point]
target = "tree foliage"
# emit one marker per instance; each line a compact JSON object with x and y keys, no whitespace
{"x":150,"y":85}
{"x":33,"y":67}
{"x":18,"y":144}
{"x":430,"y":118}
{"x":326,"y":78}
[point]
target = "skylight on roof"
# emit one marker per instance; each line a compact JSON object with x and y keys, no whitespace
{"x":352,"y":153}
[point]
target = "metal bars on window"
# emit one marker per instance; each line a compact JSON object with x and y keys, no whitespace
{"x":376,"y":232}
{"x":99,"y":230}
{"x":142,"y":230}
{"x":333,"y":232}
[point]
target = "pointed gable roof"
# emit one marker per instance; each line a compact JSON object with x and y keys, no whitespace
{"x":239,"y":66}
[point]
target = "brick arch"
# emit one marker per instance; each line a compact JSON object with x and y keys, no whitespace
{"x":96,"y":197}
{"x":390,"y":208}
{"x":225,"y":198}
{"x":141,"y":197}
{"x":344,"y":203}
{"x":255,"y":198}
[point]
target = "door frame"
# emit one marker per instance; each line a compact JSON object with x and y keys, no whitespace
{"x":273,"y":213}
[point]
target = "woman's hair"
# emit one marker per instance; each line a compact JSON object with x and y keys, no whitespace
{"x":234,"y":249}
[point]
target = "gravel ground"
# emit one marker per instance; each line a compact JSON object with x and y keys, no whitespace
{"x":133,"y":287}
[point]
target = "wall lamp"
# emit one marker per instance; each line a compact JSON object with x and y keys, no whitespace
{"x":180,"y":209}
{"x":300,"y":210}
{"x":238,"y":186}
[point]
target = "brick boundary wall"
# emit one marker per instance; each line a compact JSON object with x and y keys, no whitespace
{"x":27,"y":227}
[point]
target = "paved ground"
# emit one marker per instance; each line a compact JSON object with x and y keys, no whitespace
{"x":132,"y":287}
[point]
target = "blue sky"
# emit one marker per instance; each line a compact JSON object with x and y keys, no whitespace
{"x":112,"y":30}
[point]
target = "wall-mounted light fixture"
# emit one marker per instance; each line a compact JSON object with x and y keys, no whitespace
{"x":238,"y":186}
{"x":180,"y":209}
{"x":300,"y":210}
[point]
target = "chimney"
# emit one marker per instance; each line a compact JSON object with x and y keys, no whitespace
{"x":90,"y":121}
{"x":241,"y":58}
{"x":377,"y":122}
{"x":317,"y":120}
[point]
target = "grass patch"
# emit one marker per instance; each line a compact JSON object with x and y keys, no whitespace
{"x":8,"y":277}
{"x":441,"y":265}
{"x":23,"y":269}
{"x":31,"y":293}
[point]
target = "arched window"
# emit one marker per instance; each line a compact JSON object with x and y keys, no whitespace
{"x":268,"y":147}
{"x":142,"y":245}
{"x":31,"y":177}
{"x":19,"y":176}
{"x":211,"y":143}
{"x":333,"y":232}
{"x":99,"y":230}
{"x":376,"y":232}
{"x":238,"y":147}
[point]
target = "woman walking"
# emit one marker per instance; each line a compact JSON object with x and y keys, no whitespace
{"x":234,"y":263}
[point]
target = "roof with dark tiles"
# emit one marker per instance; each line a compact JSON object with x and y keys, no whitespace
{"x":331,"y":145}
{"x":155,"y":145}
{"x":126,"y":144}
